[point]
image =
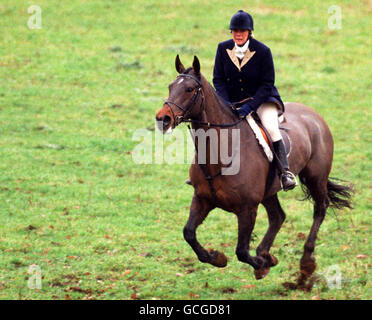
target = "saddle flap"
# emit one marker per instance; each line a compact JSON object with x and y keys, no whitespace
{"x":263,"y":136}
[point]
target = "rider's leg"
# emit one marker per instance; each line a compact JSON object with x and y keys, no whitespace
{"x":268,"y":113}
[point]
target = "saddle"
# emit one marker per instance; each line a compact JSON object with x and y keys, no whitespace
{"x":267,"y":137}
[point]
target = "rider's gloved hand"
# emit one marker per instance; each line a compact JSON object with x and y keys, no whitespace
{"x":244,"y":110}
{"x":229,"y":104}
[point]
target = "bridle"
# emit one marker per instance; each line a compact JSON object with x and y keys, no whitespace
{"x":190,"y":106}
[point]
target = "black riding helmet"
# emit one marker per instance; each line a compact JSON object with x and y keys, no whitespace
{"x":241,"y":20}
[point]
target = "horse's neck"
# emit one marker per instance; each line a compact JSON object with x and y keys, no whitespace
{"x":213,"y":110}
{"x":215,"y":113}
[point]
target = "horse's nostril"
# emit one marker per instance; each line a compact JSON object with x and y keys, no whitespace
{"x":166,"y":120}
{"x":163,"y":122}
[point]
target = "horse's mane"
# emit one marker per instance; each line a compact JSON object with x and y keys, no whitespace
{"x":220,"y":99}
{"x":213,"y":92}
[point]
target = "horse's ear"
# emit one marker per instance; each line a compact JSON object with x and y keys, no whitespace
{"x":179,"y":66}
{"x":196,"y":65}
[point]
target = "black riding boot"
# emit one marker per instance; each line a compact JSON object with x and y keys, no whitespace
{"x":287,"y":178}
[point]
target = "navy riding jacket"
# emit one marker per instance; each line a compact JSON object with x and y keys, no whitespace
{"x":253,"y":76}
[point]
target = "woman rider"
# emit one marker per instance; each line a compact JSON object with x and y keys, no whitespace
{"x":244,"y":68}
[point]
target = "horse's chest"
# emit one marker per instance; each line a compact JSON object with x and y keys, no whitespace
{"x":203,"y":190}
{"x":215,"y":192}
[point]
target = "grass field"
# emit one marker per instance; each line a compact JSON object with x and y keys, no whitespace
{"x":100,"y":226}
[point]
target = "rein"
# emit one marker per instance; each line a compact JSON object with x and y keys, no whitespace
{"x":214,"y":124}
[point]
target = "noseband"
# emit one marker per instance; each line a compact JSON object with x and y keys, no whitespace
{"x":190,"y":105}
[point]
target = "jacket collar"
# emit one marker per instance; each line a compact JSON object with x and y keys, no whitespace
{"x":248,"y":55}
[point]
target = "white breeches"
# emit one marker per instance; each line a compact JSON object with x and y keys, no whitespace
{"x":268,"y":113}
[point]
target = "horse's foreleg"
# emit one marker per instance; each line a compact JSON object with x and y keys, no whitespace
{"x":276,"y":218}
{"x":246,"y":221}
{"x":198,"y":212}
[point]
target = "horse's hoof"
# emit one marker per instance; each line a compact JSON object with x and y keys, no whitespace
{"x":273,"y":261}
{"x":218,"y":259}
{"x":305,"y":280}
{"x":269,"y":259}
{"x":261,"y":273}
{"x":307,"y":268}
{"x":290,"y":285}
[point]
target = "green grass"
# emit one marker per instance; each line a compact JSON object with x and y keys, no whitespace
{"x":99,"y":225}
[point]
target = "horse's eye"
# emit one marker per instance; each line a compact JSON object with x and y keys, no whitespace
{"x":189,"y":89}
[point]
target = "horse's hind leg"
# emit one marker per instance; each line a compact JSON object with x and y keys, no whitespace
{"x":276,"y":218}
{"x":318,"y":190}
{"x":198,"y":212}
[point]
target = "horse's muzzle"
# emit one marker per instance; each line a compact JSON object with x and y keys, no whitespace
{"x":163,"y":123}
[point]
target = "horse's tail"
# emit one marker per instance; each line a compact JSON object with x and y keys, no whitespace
{"x":339,"y":196}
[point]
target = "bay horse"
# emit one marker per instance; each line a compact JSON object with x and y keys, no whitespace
{"x":193,"y":99}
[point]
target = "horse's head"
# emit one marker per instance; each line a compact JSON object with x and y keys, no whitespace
{"x":185,"y":97}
